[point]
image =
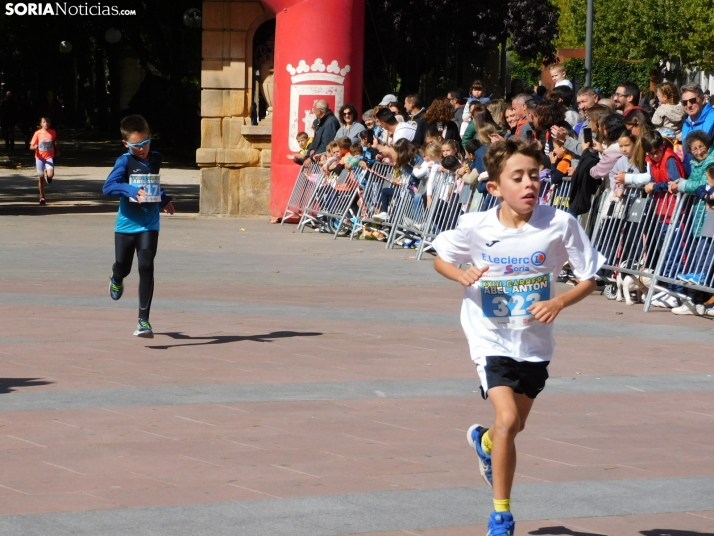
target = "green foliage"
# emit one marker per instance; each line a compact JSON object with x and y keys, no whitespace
{"x":641,"y":29}
{"x":527,"y":70}
{"x":571,"y":23}
{"x":607,"y":73}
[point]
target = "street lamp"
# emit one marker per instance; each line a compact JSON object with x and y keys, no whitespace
{"x":589,"y":45}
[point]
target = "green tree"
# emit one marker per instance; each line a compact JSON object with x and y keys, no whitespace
{"x":642,"y":29}
{"x":571,"y":23}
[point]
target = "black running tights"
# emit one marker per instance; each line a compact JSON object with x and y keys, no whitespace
{"x":145,"y":245}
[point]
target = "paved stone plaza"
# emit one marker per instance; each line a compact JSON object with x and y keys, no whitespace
{"x":299,"y":385}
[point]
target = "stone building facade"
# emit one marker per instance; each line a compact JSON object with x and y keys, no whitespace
{"x":234,"y":156}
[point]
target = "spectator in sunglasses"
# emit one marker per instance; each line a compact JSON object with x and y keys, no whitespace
{"x":350,"y":126}
{"x":700,"y":115}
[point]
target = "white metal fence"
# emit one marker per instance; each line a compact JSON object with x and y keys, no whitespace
{"x":667,"y":239}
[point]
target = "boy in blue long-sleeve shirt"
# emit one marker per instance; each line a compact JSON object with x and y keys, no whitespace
{"x":135,"y":178}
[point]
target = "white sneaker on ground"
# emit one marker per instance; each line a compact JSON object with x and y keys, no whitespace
{"x":665,"y":300}
{"x":382,"y":216}
{"x":688,"y":308}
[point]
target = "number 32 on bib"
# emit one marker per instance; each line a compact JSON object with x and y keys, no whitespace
{"x":505,"y":302}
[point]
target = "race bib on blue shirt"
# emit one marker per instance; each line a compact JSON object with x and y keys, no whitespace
{"x":505,"y":301}
{"x":150,"y":183}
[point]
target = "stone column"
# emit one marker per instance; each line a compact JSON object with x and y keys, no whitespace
{"x":234,"y":171}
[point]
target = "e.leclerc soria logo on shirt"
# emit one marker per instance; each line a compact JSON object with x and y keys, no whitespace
{"x":516,"y":264}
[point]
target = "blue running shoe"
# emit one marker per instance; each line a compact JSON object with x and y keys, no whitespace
{"x":474,"y":436}
{"x":501,"y":524}
{"x":115,"y":289}
{"x":143,"y":329}
{"x":697,"y":279}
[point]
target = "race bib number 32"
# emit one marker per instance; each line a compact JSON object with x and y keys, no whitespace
{"x":151,"y":185}
{"x":505,"y":302}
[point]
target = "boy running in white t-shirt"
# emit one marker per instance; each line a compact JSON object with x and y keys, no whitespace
{"x":516,"y":252}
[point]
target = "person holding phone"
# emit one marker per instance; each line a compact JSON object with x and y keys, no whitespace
{"x":587,"y":98}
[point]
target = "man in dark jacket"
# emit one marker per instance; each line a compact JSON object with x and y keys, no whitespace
{"x":326,"y":127}
{"x":583,"y":185}
{"x":416,"y":112}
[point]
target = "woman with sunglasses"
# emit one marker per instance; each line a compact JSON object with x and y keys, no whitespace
{"x":350,"y":126}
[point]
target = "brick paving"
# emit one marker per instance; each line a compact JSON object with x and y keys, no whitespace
{"x":250,"y":316}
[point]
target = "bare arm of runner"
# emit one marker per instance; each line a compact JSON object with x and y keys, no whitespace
{"x":453,"y":272}
{"x":546,"y":311}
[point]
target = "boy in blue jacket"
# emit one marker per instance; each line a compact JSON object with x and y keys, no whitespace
{"x":135,"y":178}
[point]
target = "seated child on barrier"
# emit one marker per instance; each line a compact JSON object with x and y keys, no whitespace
{"x":303,"y":141}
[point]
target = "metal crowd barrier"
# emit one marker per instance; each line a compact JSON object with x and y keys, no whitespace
{"x":378,"y":180}
{"x":664,"y":239}
{"x":686,"y":260}
{"x":411,"y":215}
{"x":332,"y":200}
{"x":444,"y":210}
{"x":559,"y":194}
{"x":302,"y":191}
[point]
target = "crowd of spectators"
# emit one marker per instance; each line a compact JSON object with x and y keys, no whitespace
{"x":658,"y":142}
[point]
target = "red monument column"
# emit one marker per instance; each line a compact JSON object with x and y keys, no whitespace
{"x":319,"y":49}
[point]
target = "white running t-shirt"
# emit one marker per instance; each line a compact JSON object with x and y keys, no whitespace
{"x":404,"y":130}
{"x":523,"y":267}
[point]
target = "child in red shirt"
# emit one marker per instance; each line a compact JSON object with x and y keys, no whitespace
{"x":44,"y":143}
